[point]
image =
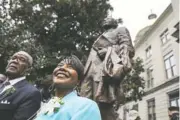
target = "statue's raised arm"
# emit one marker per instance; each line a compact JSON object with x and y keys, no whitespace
{"x":110,"y":59}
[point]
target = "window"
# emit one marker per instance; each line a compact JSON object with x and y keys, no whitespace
{"x":149,"y":77}
{"x":165,"y":36}
{"x":135,"y":107}
{"x":148,"y":52}
{"x":170,"y":65}
{"x":151,"y":109}
{"x":176,"y":32}
{"x":174,"y":99}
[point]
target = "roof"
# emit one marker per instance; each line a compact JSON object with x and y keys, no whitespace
{"x":141,"y":33}
{"x":149,"y":29}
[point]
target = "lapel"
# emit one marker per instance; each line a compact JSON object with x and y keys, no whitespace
{"x":20,"y":84}
{"x":17,"y":86}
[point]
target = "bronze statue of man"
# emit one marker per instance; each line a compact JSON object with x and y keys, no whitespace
{"x":110,"y":59}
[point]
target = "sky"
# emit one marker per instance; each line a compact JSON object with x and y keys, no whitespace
{"x":135,"y":12}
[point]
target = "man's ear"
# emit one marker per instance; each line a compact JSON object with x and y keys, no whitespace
{"x":27,"y":71}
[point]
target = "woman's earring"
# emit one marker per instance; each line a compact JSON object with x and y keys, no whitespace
{"x":51,"y":88}
{"x":77,"y":89}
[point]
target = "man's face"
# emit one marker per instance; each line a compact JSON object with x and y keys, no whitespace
{"x":17,"y":65}
{"x":64,"y":76}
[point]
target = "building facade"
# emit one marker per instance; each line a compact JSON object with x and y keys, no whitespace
{"x":160,"y":53}
{"x":175,"y":5}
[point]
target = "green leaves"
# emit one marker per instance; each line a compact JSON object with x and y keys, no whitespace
{"x":133,"y":83}
{"x":49,"y":28}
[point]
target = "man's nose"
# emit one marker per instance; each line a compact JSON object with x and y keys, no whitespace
{"x":14,"y":60}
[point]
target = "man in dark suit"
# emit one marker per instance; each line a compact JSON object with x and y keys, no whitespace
{"x":19,"y":100}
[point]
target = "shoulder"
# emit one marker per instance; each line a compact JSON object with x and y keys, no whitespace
{"x":85,"y":102}
{"x":32,"y":91}
{"x":87,"y":109}
{"x":32,"y":88}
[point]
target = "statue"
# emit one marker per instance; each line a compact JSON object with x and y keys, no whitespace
{"x":110,"y":59}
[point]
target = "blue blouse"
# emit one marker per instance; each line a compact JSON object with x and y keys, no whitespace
{"x":74,"y":108}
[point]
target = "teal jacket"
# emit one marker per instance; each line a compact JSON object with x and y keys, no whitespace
{"x":74,"y":108}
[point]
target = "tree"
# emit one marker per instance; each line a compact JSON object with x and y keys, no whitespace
{"x":48,"y":29}
{"x":133,"y":83}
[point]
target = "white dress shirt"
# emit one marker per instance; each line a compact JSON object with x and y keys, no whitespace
{"x":14,"y":81}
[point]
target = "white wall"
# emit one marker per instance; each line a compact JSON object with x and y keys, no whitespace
{"x":159,"y":50}
{"x":161,"y":103}
{"x":169,"y":20}
{"x":176,"y":4}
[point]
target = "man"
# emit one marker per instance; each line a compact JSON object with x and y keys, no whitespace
{"x":67,"y":105}
{"x":109,"y":61}
{"x":2,"y":78}
{"x":173,"y":113}
{"x":19,"y":99}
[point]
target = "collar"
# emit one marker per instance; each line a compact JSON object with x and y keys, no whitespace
{"x":68,"y":96}
{"x":16,"y":80}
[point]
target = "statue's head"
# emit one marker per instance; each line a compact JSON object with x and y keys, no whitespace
{"x":110,"y":23}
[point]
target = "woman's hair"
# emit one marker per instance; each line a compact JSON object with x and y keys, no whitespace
{"x":76,"y":65}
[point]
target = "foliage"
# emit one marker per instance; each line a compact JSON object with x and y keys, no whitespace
{"x":133,"y":83}
{"x":48,"y":29}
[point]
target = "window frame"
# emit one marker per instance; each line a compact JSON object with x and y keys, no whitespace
{"x":151,"y":104}
{"x":150,"y":78}
{"x":165,"y":35}
{"x":174,"y":95}
{"x":172,"y":66}
{"x":148,"y":51}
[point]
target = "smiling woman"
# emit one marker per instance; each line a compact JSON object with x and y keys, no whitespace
{"x":67,"y":105}
{"x":68,"y":73}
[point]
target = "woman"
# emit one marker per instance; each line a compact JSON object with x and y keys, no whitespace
{"x":67,"y":105}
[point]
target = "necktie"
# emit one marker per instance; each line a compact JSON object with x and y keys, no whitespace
{"x":3,"y":85}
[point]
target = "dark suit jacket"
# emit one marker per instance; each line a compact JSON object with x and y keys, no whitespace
{"x":24,"y":102}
